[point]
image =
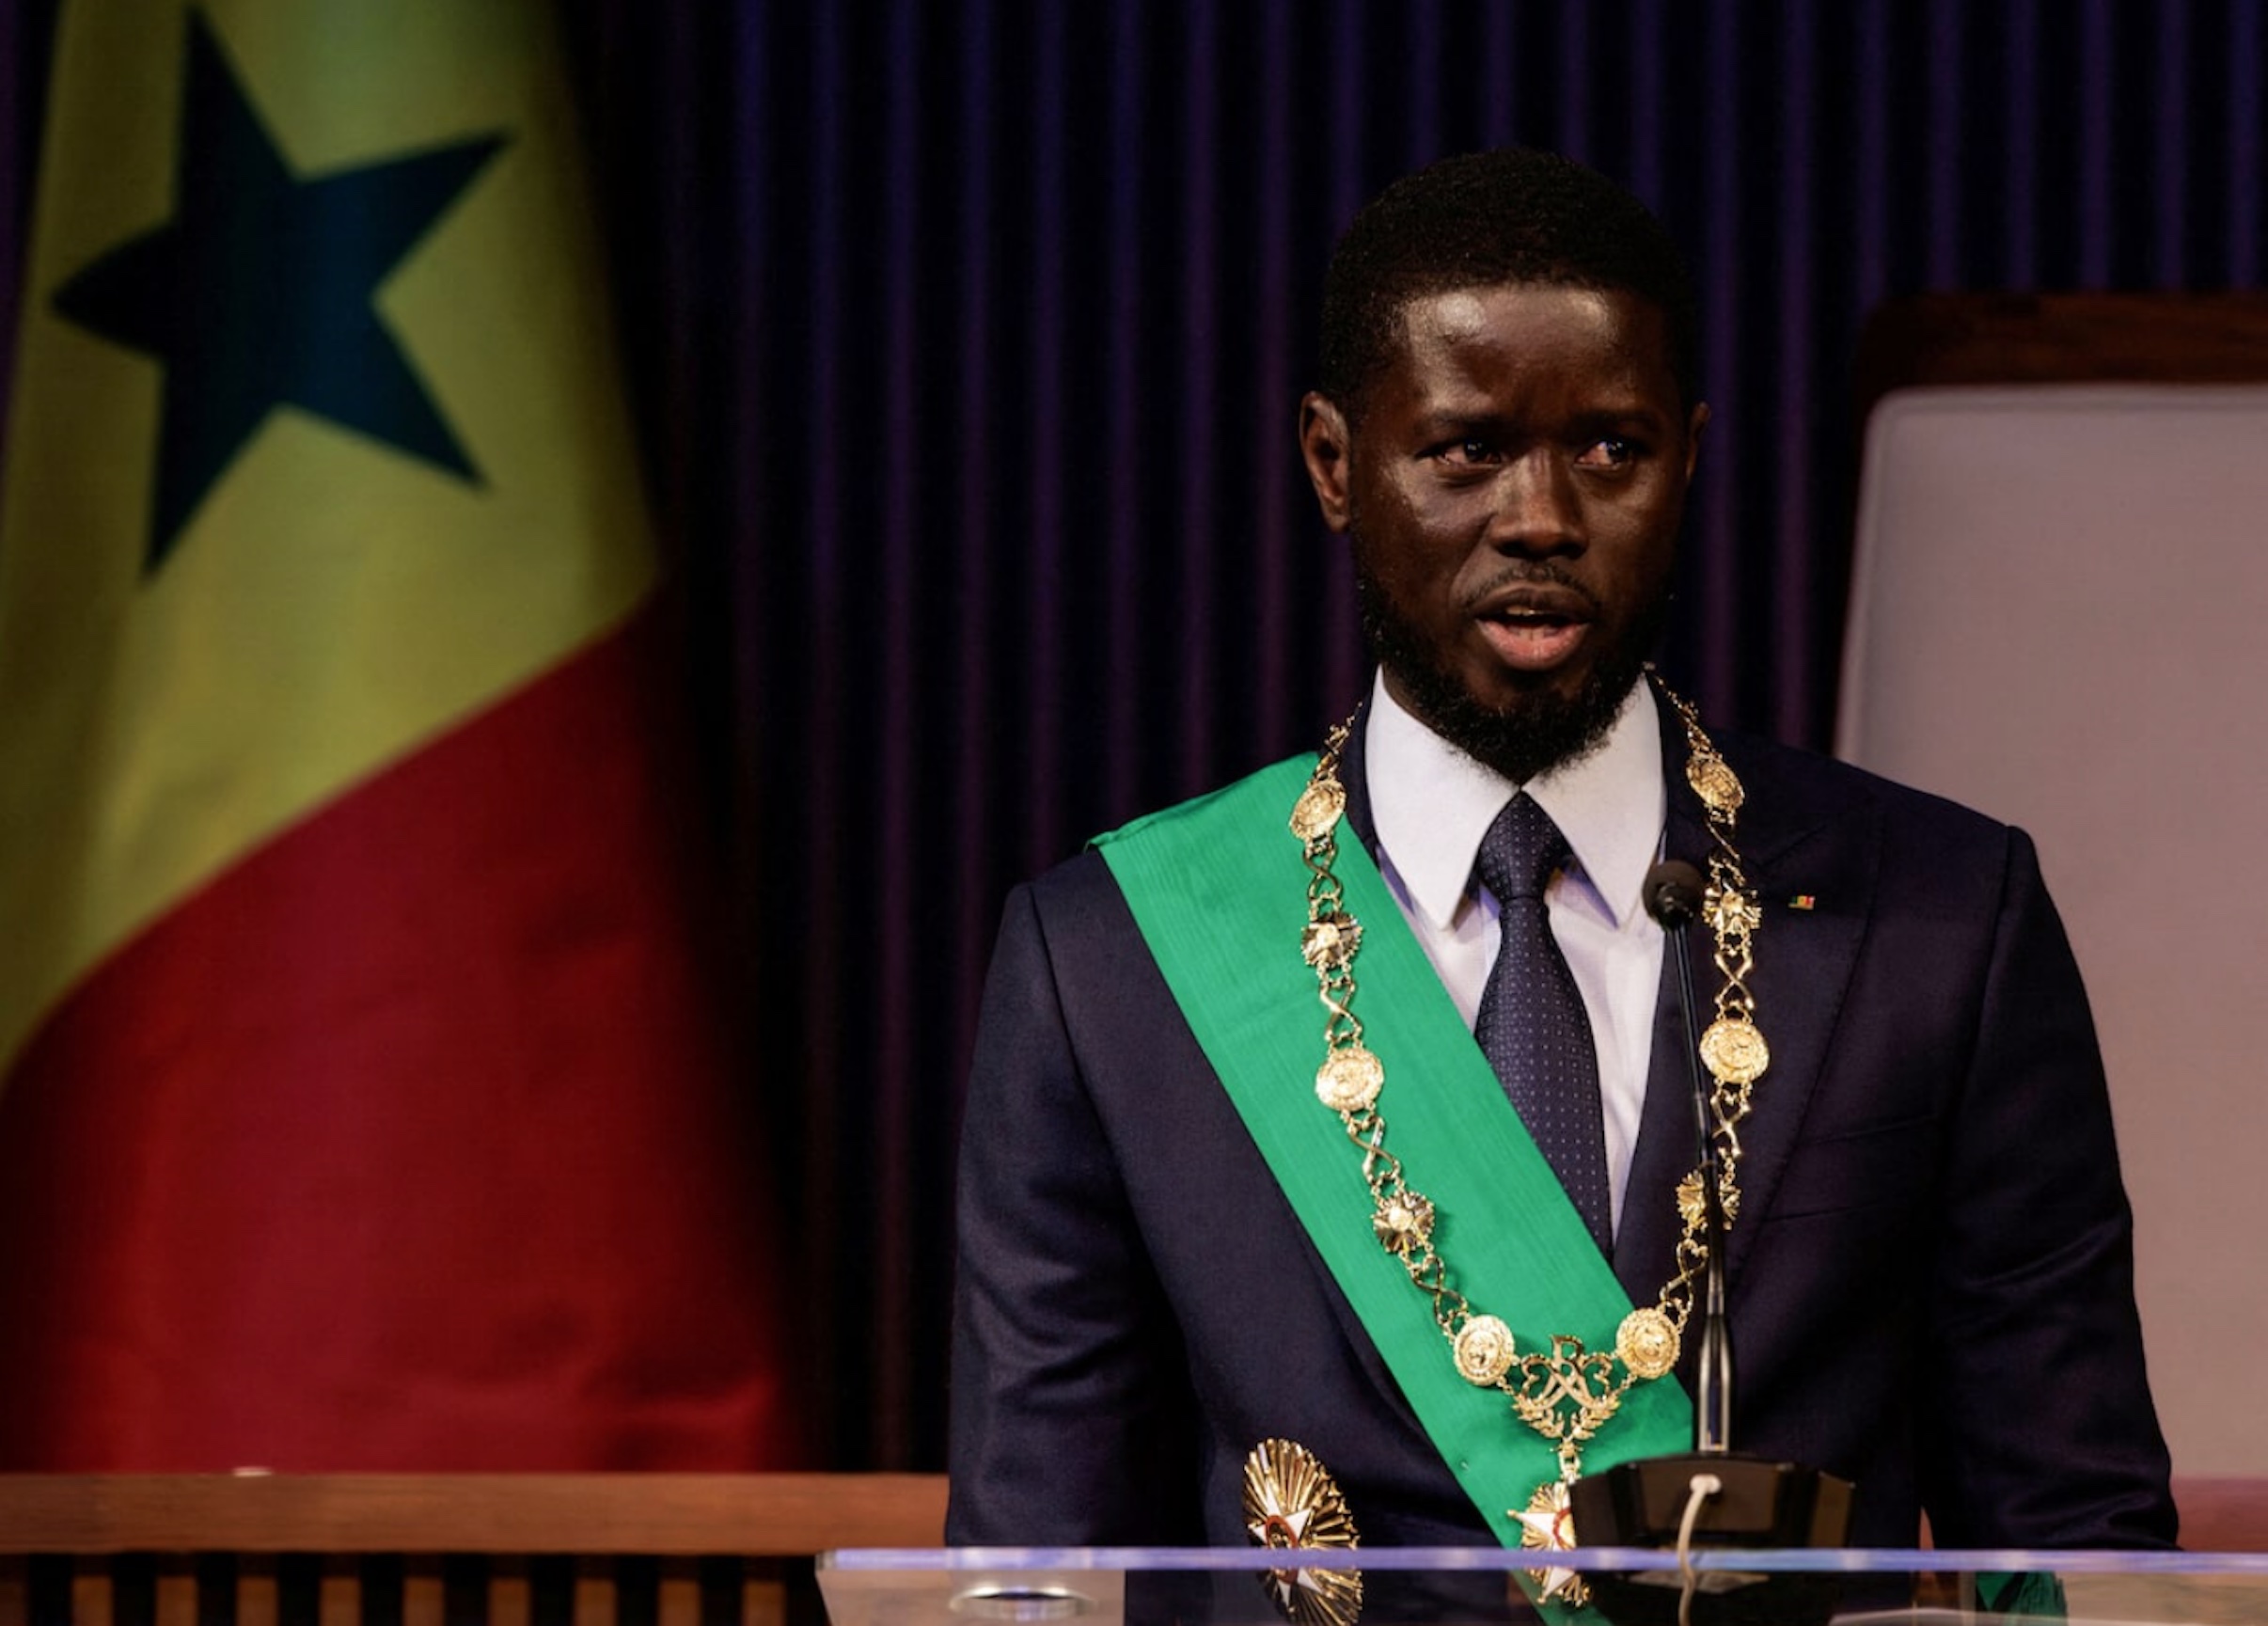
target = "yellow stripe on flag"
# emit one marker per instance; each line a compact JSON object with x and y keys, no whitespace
{"x":332,"y":599}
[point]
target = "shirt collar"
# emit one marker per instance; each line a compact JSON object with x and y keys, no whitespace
{"x":1431,"y":804}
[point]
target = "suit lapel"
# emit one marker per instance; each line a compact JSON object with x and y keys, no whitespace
{"x":1792,"y":849}
{"x":1645,"y":1243}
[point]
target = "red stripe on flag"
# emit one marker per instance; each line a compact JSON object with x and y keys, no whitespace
{"x":407,"y":1143}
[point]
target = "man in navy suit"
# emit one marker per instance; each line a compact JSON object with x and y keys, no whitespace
{"x":1198,"y":1304}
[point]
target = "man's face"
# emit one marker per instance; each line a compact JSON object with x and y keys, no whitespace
{"x":1512,"y":494}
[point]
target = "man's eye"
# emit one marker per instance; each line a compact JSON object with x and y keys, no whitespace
{"x":1609,"y":452}
{"x":1465,"y":453}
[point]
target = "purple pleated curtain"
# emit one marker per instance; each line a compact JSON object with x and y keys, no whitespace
{"x":966,"y":337}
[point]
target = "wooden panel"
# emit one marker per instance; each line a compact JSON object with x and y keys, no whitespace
{"x":659,"y":1514}
{"x":424,"y":1597}
{"x":257,"y":1602}
{"x":338,"y":1593}
{"x":677,"y":1599}
{"x":596,"y":1602}
{"x":510,"y":1593}
{"x":91,"y":1595}
{"x":2223,"y":1515}
{"x":1947,"y":339}
{"x":176,"y":1596}
{"x":763,"y":1600}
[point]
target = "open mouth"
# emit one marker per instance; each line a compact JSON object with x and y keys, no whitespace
{"x":1536,"y":628}
{"x":1532,"y":643}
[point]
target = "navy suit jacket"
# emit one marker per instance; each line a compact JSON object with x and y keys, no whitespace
{"x":1931,"y":1274}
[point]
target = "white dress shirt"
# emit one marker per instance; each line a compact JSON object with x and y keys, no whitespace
{"x":1432,"y":804}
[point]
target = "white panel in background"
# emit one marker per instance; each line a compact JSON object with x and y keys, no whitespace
{"x":2059,"y":616}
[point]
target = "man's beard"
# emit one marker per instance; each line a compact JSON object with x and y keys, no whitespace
{"x":1533,"y":734}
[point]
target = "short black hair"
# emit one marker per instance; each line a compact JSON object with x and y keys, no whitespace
{"x":1484,"y":219}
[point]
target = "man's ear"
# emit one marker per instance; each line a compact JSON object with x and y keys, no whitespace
{"x":1692,"y":437}
{"x":1325,"y":446}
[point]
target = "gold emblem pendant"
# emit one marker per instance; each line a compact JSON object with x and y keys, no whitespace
{"x":1715,"y":782}
{"x":1291,"y":1501}
{"x":1733,"y":1051}
{"x":1648,"y":1344}
{"x":1485,"y":1351}
{"x":1349,"y":1079}
{"x":1318,"y":810}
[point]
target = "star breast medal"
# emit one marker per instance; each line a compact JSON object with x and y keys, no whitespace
{"x":1292,"y":1502}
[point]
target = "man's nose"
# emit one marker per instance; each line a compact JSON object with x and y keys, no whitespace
{"x":1538,"y":508}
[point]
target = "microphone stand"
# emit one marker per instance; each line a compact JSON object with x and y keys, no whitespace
{"x":1713,"y":1376}
{"x":1710,"y":1497}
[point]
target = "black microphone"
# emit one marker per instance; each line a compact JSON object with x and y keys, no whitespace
{"x":1672,"y":890}
{"x":1711,"y":1499}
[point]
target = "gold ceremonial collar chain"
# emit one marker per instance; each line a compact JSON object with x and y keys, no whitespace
{"x":1567,"y":1394}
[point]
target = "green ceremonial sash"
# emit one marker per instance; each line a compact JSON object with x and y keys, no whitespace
{"x":1219,"y":889}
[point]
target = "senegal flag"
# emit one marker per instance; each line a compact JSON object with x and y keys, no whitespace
{"x":361,"y":1107}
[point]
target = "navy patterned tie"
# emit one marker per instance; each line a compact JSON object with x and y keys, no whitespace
{"x":1532,"y":1025}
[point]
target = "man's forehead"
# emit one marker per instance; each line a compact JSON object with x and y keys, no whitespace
{"x":1479,"y":309}
{"x":1474,"y":311}
{"x":1615,"y":337}
{"x":1590,"y":329}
